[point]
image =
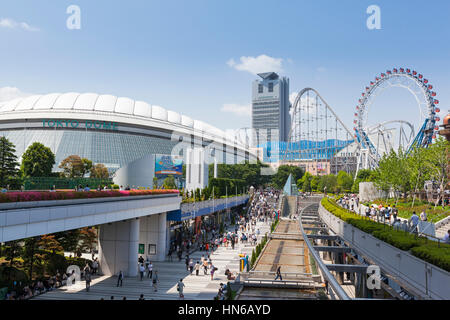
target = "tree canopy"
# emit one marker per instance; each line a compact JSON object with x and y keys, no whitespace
{"x":99,"y":171}
{"x":37,"y":161}
{"x":8,"y":163}
{"x":75,"y":167}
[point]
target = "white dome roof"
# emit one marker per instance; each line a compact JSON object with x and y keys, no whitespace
{"x":93,"y":102}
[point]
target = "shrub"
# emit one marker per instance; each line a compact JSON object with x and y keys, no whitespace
{"x":439,"y":256}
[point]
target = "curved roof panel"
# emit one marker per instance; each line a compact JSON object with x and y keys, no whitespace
{"x":28,"y":102}
{"x":63,"y":101}
{"x":85,"y":101}
{"x":159,"y":113}
{"x":105,"y":102}
{"x":142,"y":109}
{"x":124,"y":105}
{"x":173,"y":117}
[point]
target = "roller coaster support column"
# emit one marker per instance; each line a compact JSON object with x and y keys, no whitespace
{"x":360,"y":285}
{"x":338,"y":258}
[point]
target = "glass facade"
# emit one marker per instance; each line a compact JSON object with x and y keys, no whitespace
{"x":113,"y":149}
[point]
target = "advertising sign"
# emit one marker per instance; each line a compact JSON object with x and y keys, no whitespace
{"x":167,"y":164}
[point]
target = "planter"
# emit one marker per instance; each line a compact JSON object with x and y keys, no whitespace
{"x":425,"y":279}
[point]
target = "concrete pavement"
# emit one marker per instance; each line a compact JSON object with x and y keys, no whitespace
{"x":196,"y":287}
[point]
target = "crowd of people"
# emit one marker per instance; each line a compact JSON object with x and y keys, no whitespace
{"x":386,"y":214}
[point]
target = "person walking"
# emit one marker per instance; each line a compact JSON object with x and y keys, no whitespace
{"x":423,"y":216}
{"x":88,"y":279}
{"x":141,"y":270}
{"x":213,"y":269}
{"x":186,"y":262}
{"x":150,"y":270}
{"x":180,"y":288}
{"x":169,"y":255}
{"x":394,"y":212}
{"x":191,"y":265}
{"x":94,"y":266}
{"x":155,"y":281}
{"x":197,"y":268}
{"x":279,"y":274}
{"x":205,"y":266}
{"x":414,"y":220}
{"x":120,"y":278}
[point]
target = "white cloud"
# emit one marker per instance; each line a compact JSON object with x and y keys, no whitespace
{"x":259,"y":64}
{"x":10,"y":93}
{"x":12,"y":24}
{"x":321,"y":69}
{"x":243,"y":110}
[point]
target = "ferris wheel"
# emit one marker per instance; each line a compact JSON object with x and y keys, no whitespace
{"x":375,"y":140}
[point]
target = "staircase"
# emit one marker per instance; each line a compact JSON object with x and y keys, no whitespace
{"x":442,"y":227}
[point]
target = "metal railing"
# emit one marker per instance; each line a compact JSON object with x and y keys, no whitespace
{"x":325,"y":272}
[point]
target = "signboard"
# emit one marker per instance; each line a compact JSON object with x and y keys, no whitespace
{"x":141,"y":248}
{"x":167,"y":164}
{"x":152,"y":249}
{"x":84,"y":124}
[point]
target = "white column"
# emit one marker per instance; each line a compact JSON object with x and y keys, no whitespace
{"x":133,"y":248}
{"x":162,"y":236}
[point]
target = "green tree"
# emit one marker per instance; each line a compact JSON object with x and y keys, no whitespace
{"x":12,"y":251}
{"x":382,"y":175}
{"x":329,"y":182}
{"x":344,"y":181}
{"x":87,"y":166}
{"x":73,"y":167}
{"x":315,"y":183}
{"x":8,"y":163}
{"x":437,"y":163}
{"x":418,"y":169}
{"x":305,"y":182}
{"x":68,"y":239}
{"x":169,"y":182}
{"x":49,"y":243}
{"x":31,"y":260}
{"x":37,"y":161}
{"x":279,"y":179}
{"x":99,"y":171}
{"x":88,"y":239}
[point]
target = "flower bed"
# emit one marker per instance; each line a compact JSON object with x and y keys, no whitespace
{"x":420,"y":247}
{"x":67,"y":195}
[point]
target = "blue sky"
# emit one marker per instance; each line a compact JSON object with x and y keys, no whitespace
{"x":175,"y":53}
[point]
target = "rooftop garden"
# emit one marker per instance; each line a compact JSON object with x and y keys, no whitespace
{"x":433,"y":252}
{"x":406,"y":208}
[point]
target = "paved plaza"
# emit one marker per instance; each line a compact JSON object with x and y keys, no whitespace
{"x":199,"y":287}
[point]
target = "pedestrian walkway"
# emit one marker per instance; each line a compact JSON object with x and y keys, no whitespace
{"x":169,"y":273}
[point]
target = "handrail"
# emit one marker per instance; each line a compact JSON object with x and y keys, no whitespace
{"x":326,"y":273}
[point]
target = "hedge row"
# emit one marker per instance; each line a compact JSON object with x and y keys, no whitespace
{"x":418,"y":246}
{"x":257,"y":251}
